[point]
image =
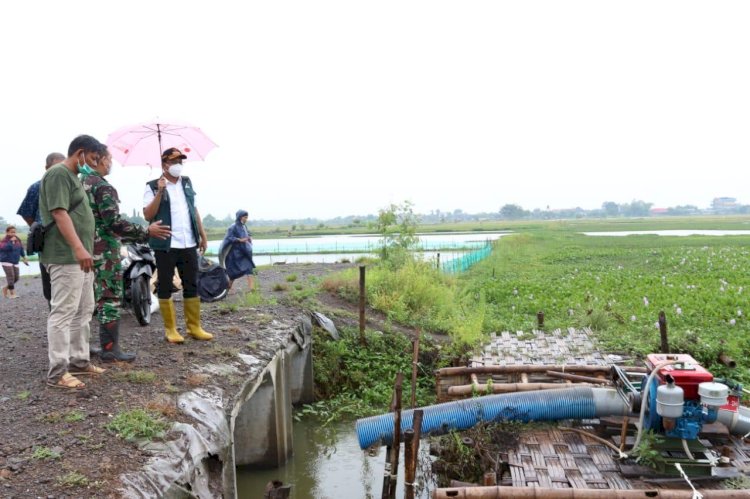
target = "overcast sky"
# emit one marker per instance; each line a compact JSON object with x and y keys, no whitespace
{"x":326,"y":108}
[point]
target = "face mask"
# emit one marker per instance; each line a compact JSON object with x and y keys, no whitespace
{"x":84,"y":168}
{"x":175,"y":170}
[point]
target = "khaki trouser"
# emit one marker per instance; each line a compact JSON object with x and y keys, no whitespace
{"x":71,"y":308}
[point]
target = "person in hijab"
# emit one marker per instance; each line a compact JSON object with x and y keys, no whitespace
{"x":237,"y":247}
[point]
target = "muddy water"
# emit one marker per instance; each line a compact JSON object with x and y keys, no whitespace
{"x":326,"y":464}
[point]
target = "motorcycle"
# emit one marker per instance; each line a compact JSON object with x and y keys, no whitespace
{"x":138,"y":266}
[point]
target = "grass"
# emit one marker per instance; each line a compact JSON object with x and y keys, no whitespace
{"x":73,"y":479}
{"x":74,"y":416}
{"x":618,"y":285}
{"x":23,"y":395}
{"x":137,"y":377}
{"x":291,"y":278}
{"x":44,"y":453}
{"x":137,"y":424}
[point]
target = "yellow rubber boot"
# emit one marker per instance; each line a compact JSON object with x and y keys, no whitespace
{"x":193,"y":319}
{"x":170,"y":320}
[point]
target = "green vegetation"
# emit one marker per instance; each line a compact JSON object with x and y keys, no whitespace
{"x":43,"y":453}
{"x":138,"y":377}
{"x":23,"y":395}
{"x":137,"y":423}
{"x":353,"y":381}
{"x":73,"y":479}
{"x":648,"y":453}
{"x":618,"y":285}
{"x":74,"y":416}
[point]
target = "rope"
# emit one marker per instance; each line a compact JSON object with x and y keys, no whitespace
{"x":696,"y":494}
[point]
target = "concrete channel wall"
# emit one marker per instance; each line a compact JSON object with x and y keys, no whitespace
{"x":252,"y":427}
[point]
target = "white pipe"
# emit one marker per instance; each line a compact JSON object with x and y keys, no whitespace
{"x":737,"y":422}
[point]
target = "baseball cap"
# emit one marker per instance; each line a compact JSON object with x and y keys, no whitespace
{"x":172,"y":153}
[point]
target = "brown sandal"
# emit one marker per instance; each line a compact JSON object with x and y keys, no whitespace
{"x":67,"y":382}
{"x":90,"y":369}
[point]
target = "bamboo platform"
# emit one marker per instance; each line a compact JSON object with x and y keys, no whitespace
{"x":561,"y":458}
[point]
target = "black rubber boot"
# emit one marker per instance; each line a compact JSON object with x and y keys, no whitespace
{"x":110,"y":339}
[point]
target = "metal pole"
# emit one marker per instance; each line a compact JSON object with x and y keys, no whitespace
{"x":663,"y":332}
{"x":362,"y":340}
{"x":414,"y":364}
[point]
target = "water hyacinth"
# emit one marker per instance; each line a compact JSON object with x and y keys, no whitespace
{"x":732,"y":322}
{"x":739,"y":313}
{"x":633,"y":318}
{"x":645,"y":301}
{"x":678,"y":311}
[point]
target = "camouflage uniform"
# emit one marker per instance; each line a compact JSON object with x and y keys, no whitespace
{"x":110,"y":228}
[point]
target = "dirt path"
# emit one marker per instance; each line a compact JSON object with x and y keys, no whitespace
{"x":53,"y":443}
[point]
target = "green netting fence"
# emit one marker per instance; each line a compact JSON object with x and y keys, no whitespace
{"x":464,"y":262}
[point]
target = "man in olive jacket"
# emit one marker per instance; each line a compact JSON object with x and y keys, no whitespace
{"x":171,"y":199}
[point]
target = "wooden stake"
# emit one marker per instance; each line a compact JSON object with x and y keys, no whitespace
{"x":362,"y":340}
{"x":414,"y":365}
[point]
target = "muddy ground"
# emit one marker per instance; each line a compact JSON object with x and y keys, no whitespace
{"x":53,"y":443}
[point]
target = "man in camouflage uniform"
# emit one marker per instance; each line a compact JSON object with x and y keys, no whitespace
{"x":110,"y":228}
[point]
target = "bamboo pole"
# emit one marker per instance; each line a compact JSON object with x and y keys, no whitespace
{"x":408,"y":459}
{"x":414,"y":365}
{"x":465,"y":371}
{"x":396,"y":446}
{"x":663,"y":332}
{"x":501,"y":492}
{"x":578,"y":377}
{"x":623,"y":433}
{"x":411,"y":454}
{"x":362,"y":340}
{"x":512,"y":387}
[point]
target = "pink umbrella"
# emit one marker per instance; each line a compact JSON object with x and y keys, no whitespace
{"x":143,"y":144}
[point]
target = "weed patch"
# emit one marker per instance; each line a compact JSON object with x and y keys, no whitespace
{"x":73,"y":479}
{"x":138,"y":377}
{"x":44,"y":453}
{"x":137,"y":423}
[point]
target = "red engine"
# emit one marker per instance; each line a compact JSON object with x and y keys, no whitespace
{"x":687,"y":373}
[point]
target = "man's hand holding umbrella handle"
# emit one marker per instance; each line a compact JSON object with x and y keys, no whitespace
{"x":158,"y":230}
{"x":162,"y":183}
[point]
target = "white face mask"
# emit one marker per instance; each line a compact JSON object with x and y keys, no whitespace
{"x":175,"y":170}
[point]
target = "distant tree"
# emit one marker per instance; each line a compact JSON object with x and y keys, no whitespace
{"x":512,"y":211}
{"x":611,"y":209}
{"x":397,"y":224}
{"x":636,"y":208}
{"x":212,"y":222}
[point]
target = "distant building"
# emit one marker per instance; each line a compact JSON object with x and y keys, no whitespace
{"x":659,"y":211}
{"x":724,"y":205}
